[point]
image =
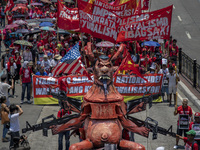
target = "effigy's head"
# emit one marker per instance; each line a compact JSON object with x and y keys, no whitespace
{"x":103,"y":70}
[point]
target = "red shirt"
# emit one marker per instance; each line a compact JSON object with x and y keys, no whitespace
{"x":26,"y":74}
{"x":173,"y":50}
{"x":60,"y":115}
{"x":62,"y":82}
{"x":188,"y":110}
{"x":18,"y":62}
{"x":188,"y":145}
{"x":10,"y":19}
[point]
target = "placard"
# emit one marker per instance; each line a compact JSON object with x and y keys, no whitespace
{"x":184,"y":121}
{"x":196,"y":128}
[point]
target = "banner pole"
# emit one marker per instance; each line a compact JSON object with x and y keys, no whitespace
{"x":82,"y":47}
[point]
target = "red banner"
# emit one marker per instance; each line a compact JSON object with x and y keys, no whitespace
{"x":68,"y":18}
{"x":98,"y":21}
{"x":146,"y":26}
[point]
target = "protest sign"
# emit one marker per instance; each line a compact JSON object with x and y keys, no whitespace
{"x":146,"y":26}
{"x":196,"y":128}
{"x":98,"y":21}
{"x":184,"y":121}
{"x":123,"y":10}
{"x":68,"y":18}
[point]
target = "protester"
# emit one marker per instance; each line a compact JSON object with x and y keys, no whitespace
{"x":55,"y":61}
{"x":5,"y":108}
{"x":15,"y":112}
{"x":63,"y":113}
{"x":5,"y":59}
{"x":184,"y":109}
{"x":27,"y":55}
{"x":25,"y":81}
{"x":173,"y":50}
{"x":173,"y":79}
{"x":46,"y":64}
{"x":17,"y":59}
{"x":165,"y":72}
{"x":11,"y":68}
{"x":41,"y":72}
{"x":4,"y":87}
{"x":191,"y":144}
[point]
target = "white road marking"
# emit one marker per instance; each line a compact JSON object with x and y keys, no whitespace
{"x":174,"y":7}
{"x":188,"y":34}
{"x":181,"y":98}
{"x":179,"y":18}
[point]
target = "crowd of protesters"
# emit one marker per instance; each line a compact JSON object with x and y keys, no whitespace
{"x":21,"y":62}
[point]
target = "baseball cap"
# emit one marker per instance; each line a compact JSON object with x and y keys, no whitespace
{"x":191,"y":132}
{"x":197,"y":114}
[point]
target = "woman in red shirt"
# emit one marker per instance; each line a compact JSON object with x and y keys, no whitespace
{"x":17,"y":59}
{"x":9,"y":18}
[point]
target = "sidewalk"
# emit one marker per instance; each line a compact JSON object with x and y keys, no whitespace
{"x":191,"y":93}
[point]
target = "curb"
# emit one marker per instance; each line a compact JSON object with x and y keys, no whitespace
{"x":191,"y":97}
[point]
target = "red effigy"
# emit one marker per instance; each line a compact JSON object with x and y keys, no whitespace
{"x":103,"y":112}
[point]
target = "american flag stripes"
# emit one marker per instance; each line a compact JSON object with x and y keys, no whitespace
{"x":70,"y":63}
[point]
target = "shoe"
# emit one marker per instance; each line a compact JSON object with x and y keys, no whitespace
{"x":5,"y":140}
{"x":21,"y":102}
{"x":12,"y":96}
{"x":29,"y":102}
{"x":176,"y":147}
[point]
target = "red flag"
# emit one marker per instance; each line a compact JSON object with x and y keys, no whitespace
{"x":128,"y":64}
{"x":145,"y":5}
{"x":138,"y":9}
{"x":9,"y":5}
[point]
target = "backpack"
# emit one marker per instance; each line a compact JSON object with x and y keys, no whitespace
{"x":194,"y":143}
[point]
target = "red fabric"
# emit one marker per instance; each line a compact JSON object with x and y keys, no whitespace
{"x":18,"y":62}
{"x":188,"y":110}
{"x":138,"y":9}
{"x":59,"y":115}
{"x":155,"y":31}
{"x":62,"y":82}
{"x":26,"y":74}
{"x":166,"y":44}
{"x":10,"y":19}
{"x":9,"y":5}
{"x":9,"y":64}
{"x":67,"y":23}
{"x":188,"y":145}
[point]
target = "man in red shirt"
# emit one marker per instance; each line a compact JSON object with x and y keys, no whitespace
{"x":25,"y":81}
{"x":191,"y":144}
{"x":63,"y":113}
{"x":173,"y":50}
{"x":184,"y":109}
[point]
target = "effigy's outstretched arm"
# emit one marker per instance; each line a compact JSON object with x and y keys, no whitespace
{"x":73,"y":123}
{"x":129,"y":125}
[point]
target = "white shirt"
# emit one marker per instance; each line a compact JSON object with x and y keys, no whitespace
{"x":4,"y":91}
{"x":45,"y":64}
{"x":14,"y":122}
{"x":172,"y":79}
{"x":54,"y":63}
{"x":165,"y":73}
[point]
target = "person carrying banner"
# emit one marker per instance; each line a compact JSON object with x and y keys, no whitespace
{"x":172,"y":78}
{"x":184,"y":109}
{"x":191,"y":144}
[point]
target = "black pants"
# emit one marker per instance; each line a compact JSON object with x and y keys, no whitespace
{"x":13,"y":134}
{"x":10,"y":82}
{"x":18,"y":69}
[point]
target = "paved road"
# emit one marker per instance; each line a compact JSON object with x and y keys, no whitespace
{"x":185,"y":24}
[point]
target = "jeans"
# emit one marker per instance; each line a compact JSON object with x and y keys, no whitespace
{"x":5,"y":130}
{"x":3,"y":22}
{"x":24,"y":86}
{"x":13,"y":134}
{"x":60,"y":140}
